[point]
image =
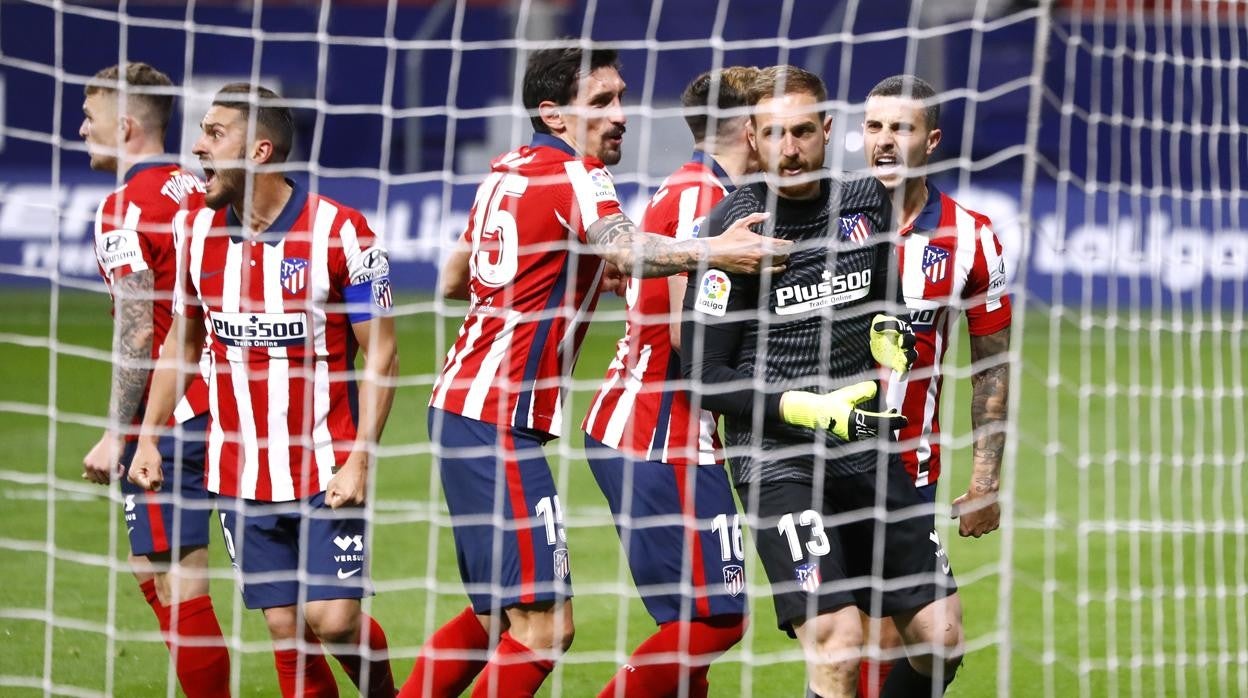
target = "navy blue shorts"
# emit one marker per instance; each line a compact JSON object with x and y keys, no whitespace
{"x":680,"y":531}
{"x":506,"y":517}
{"x":291,"y":552}
{"x":176,"y":517}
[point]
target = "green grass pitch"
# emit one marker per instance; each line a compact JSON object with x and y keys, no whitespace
{"x":1125,"y":572}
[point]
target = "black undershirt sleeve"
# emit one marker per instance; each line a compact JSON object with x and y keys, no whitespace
{"x":710,"y":343}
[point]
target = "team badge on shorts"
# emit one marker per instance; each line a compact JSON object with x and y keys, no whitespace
{"x":935,"y":263}
{"x":294,"y":274}
{"x":561,"y":563}
{"x":808,"y":577}
{"x":734,"y":580}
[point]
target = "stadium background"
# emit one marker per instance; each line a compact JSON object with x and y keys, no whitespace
{"x":1109,"y":161}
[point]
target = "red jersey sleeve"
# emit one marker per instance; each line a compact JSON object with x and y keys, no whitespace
{"x":119,"y":249}
{"x":988,"y":308}
{"x":593,"y":194}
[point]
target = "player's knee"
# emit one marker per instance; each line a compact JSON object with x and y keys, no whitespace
{"x":833,"y":638}
{"x":543,"y":627}
{"x":334,"y":623}
{"x":282,"y":622}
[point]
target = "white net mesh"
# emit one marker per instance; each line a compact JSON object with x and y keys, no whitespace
{"x":1101,"y":137}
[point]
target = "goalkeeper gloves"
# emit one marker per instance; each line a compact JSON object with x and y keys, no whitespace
{"x":892,"y":343}
{"x":838,"y":412}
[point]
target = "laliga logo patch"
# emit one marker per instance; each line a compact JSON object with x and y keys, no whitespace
{"x":294,"y":274}
{"x":808,"y":577}
{"x":713,"y":292}
{"x":603,"y":186}
{"x":734,"y":580}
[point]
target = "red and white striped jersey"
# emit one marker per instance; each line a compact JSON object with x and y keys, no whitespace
{"x":279,"y":308}
{"x":950,"y":262}
{"x":637,"y":410}
{"x":134,"y":232}
{"x":533,"y":286}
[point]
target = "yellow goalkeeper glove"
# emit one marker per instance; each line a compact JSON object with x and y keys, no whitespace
{"x":838,"y":412}
{"x":892,"y":343}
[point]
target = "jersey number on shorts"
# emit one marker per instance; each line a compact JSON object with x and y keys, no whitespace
{"x":495,"y":241}
{"x":551,"y":514}
{"x":729,"y":537}
{"x":818,"y":543}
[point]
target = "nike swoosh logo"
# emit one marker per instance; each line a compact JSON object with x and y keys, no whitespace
{"x":346,"y":575}
{"x":207,"y":274}
{"x":129,"y":529}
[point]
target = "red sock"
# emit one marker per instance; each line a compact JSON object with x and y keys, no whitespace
{"x":436,"y":674}
{"x":513,"y":672}
{"x":868,"y":686}
{"x":162,"y":612}
{"x":318,"y":679}
{"x":679,"y":653}
{"x":380,"y":680}
{"x":202,"y":662}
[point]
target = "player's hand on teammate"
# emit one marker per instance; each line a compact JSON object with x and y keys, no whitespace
{"x":838,"y":412}
{"x":145,"y":470}
{"x":103,"y":462}
{"x":742,"y":251}
{"x":978,"y":512}
{"x":892,"y":343}
{"x":613,"y":280}
{"x":349,"y":486}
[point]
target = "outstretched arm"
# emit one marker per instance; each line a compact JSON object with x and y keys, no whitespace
{"x":979,"y":509}
{"x":616,"y":239}
{"x":132,"y":354}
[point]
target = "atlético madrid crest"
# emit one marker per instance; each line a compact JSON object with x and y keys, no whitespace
{"x":808,"y":577}
{"x":734,"y":580}
{"x":935,"y":263}
{"x":562,"y":568}
{"x":294,"y":274}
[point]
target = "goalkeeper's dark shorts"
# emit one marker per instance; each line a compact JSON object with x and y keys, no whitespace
{"x":818,"y":544}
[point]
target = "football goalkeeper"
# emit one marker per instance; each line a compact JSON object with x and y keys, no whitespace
{"x":786,"y":359}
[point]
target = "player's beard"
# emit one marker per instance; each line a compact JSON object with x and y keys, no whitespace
{"x":104,"y":162}
{"x":611,"y":154}
{"x":225,"y":186}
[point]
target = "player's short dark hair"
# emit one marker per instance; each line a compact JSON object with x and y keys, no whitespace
{"x":731,"y":85}
{"x":552,"y":75}
{"x":146,"y":87}
{"x":779,"y":80}
{"x":274,"y":121}
{"x":910,"y":87}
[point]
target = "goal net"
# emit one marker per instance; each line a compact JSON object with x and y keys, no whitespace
{"x":1101,"y":137}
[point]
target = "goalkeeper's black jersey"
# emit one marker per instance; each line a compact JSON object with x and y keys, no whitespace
{"x":748,"y":338}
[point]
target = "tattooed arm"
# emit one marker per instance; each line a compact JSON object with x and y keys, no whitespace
{"x":132,"y":352}
{"x":616,"y":239}
{"x":978,"y":509}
